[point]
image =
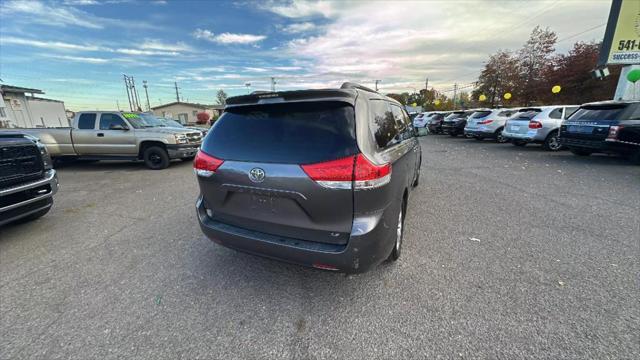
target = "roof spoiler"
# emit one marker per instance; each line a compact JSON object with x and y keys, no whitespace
{"x":350,"y":85}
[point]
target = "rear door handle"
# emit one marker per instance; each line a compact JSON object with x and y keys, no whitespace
{"x":100,"y":134}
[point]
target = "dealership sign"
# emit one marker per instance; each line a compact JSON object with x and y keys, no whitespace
{"x":621,"y":44}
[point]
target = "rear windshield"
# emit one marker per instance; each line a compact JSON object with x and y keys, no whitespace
{"x":527,"y":114}
{"x":606,"y":112}
{"x":292,"y":133}
{"x":480,"y":114}
{"x":455,"y":116}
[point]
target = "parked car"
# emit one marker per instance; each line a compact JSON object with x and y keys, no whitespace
{"x":422,"y":119}
{"x":435,"y":121}
{"x":314,"y":177}
{"x":27,"y":178}
{"x":455,"y":122}
{"x":488,"y":123}
{"x":537,"y":125}
{"x":115,"y":135}
{"x":175,"y":124}
{"x":607,"y":127}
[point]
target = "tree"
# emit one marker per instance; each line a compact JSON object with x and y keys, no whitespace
{"x":221,"y":97}
{"x":534,"y":56}
{"x":572,"y":71}
{"x":500,"y":75}
{"x":202,"y":118}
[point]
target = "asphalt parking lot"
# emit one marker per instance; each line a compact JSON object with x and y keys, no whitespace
{"x":509,"y":253}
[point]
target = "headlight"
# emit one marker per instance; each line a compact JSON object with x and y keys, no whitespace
{"x":181,"y":139}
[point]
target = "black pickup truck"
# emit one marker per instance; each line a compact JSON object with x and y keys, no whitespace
{"x":606,"y":127}
{"x":27,"y":178}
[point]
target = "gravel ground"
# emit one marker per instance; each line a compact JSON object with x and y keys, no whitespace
{"x":509,"y":253}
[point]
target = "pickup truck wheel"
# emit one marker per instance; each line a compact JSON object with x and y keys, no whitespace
{"x":552,"y":142}
{"x":156,"y":158}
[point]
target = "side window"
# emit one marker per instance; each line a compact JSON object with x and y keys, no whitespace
{"x":569,"y":110}
{"x":556,"y":113}
{"x":87,"y":121}
{"x":383,"y":124}
{"x":403,"y":123}
{"x":107,"y":120}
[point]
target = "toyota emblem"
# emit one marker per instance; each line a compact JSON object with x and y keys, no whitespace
{"x":256,"y":175}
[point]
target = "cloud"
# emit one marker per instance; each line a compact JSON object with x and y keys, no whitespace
{"x":299,"y":27}
{"x":88,"y":60}
{"x":445,"y":41}
{"x":150,"y":44}
{"x":50,"y":15}
{"x":148,"y":48}
{"x":227,"y":38}
{"x":301,"y":8}
{"x":52,"y":45}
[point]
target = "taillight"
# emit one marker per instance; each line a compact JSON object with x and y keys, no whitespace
{"x":485,"y":122}
{"x":342,"y":173}
{"x":368,"y":175}
{"x":614,"y":131}
{"x":535,"y":124}
{"x":205,"y":164}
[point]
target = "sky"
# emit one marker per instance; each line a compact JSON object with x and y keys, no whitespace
{"x":78,"y":50}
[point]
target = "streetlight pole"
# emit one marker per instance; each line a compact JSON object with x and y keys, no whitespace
{"x":377,"y":81}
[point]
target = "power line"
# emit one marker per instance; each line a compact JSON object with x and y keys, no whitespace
{"x":582,"y":32}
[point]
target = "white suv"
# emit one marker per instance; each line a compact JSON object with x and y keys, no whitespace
{"x":539,"y":124}
{"x":488,"y":123}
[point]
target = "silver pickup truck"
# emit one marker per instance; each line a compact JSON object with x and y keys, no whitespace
{"x":116,"y":135}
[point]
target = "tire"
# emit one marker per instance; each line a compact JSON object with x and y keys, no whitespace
{"x":552,"y":143}
{"x":397,"y":247}
{"x":580,"y":152}
{"x":519,"y":143}
{"x":499,"y":138}
{"x":416,"y":182}
{"x":156,"y":158}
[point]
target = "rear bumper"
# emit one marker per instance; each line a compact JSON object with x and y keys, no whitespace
{"x":529,"y":136}
{"x":362,"y":251}
{"x":182,"y":151}
{"x":599,"y":145}
{"x":481,"y":133}
{"x":25,"y":199}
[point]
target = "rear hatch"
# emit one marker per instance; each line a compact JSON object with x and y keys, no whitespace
{"x":476,"y":118}
{"x":261,"y":184}
{"x":592,"y":122}
{"x":519,"y":123}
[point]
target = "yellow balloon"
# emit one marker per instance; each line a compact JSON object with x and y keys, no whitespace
{"x":556,"y":89}
{"x":437,"y":102}
{"x":507,"y":96}
{"x":482,"y":97}
{"x":414,"y":104}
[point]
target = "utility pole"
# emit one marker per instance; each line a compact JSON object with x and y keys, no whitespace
{"x":144,"y":82}
{"x":248,"y":85}
{"x":177,"y":94}
{"x":426,"y":84}
{"x":455,"y":92}
{"x":273,"y":84}
{"x":135,"y":93}
{"x":126,"y":85}
{"x":118,"y":105}
{"x":377,"y":81}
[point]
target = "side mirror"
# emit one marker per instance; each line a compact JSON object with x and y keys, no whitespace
{"x":118,"y":127}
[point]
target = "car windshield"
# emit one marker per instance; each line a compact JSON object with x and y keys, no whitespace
{"x":480,"y":114}
{"x":171,"y":123}
{"x":152,"y":120}
{"x":606,"y":112}
{"x":136,"y":121}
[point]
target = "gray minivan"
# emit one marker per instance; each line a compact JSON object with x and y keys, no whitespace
{"x":319,"y":178}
